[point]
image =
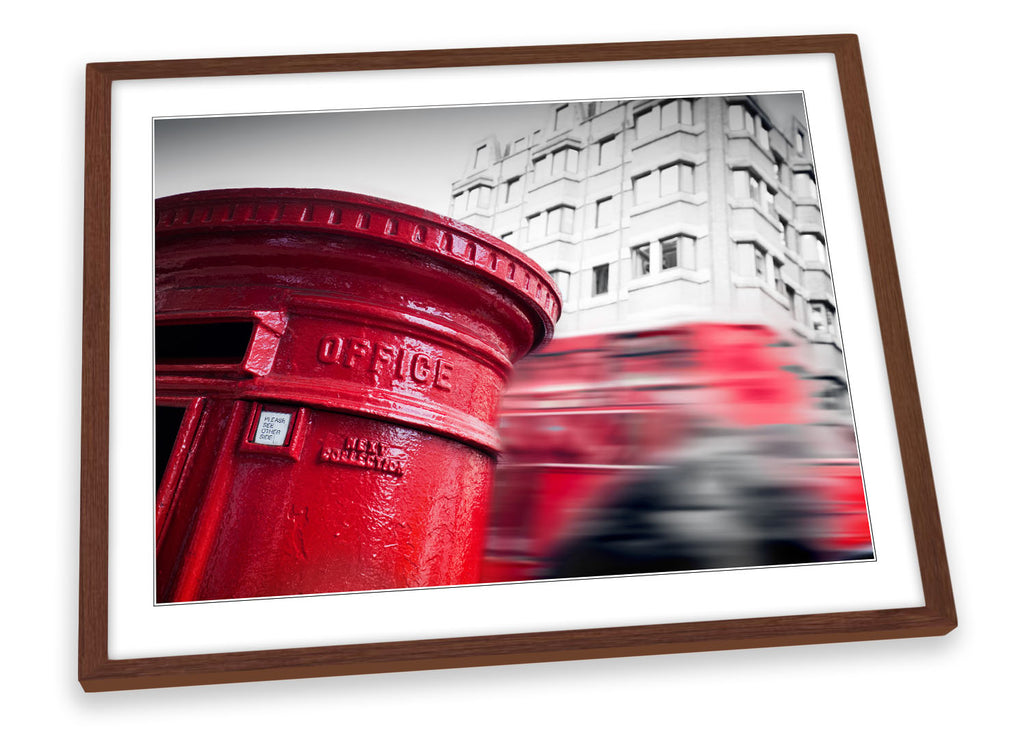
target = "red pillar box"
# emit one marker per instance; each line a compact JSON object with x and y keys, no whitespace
{"x":328,"y":373}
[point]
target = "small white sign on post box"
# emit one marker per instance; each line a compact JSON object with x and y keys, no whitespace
{"x":272,"y":429}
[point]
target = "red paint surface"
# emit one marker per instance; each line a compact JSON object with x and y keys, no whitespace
{"x":387,"y":333}
{"x":846,"y":530}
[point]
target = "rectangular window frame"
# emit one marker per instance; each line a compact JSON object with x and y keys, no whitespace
{"x":561,"y":117}
{"x":669,"y":256}
{"x":560,"y":220}
{"x":608,"y":150}
{"x":603,"y":212}
{"x":645,"y":188}
{"x":685,"y":249}
{"x":760,"y":263}
{"x":561,"y":279}
{"x":827,"y":314}
{"x":510,"y":185}
{"x":536,"y":226}
{"x":640,"y":260}
{"x":753,"y":187}
{"x":479,"y":197}
{"x":479,"y":157}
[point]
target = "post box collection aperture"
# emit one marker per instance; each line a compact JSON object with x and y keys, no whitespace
{"x":329,"y":368}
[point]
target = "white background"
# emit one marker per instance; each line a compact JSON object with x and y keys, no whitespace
{"x":946,"y":125}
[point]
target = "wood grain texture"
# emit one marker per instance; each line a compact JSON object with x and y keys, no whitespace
{"x":892,"y":319}
{"x":97,"y":672}
{"x":93,"y":531}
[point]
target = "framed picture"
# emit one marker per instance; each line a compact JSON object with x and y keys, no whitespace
{"x":305,"y":450}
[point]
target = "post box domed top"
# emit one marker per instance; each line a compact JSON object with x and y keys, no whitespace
{"x":346,"y":215}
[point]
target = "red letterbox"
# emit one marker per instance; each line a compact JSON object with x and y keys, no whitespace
{"x":328,"y":373}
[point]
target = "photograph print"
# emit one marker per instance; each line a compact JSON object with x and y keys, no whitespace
{"x":493,"y":344}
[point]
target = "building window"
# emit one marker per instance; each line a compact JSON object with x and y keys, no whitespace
{"x":551,"y":222}
{"x":600,"y":285}
{"x":662,"y":116}
{"x":685,"y":111}
{"x":509,"y":237}
{"x":741,"y":119}
{"x":560,"y":220}
{"x":669,"y":253}
{"x":782,"y":172}
{"x":604,"y":212}
{"x":608,"y":150}
{"x":823,"y":318}
{"x":688,"y":252}
{"x":562,"y":161}
{"x":647,"y":123}
{"x":679,"y":250}
{"x":670,"y":114}
{"x":671,"y":179}
{"x":561,"y":117}
{"x":459,"y":203}
{"x":817,"y":316}
{"x":787,"y":236}
{"x":519,"y":145}
{"x":645,"y":188}
{"x":676,"y":177}
{"x":565,"y":160}
{"x":760,"y":264}
{"x":813,"y":247}
{"x":480,"y":157}
{"x":561,"y":279}
{"x":479,"y":197}
{"x":780,"y":284}
{"x":746,"y":185}
{"x":762,"y":133}
{"x":512,"y":190}
{"x":667,"y":180}
{"x":541,"y":167}
{"x":641,"y":260}
{"x":535,"y":225}
{"x":804,"y":185}
{"x":801,"y":143}
{"x":791,"y":300}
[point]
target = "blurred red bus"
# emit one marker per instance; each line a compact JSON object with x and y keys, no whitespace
{"x":591,"y":420}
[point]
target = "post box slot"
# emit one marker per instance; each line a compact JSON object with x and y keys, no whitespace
{"x":168,"y":423}
{"x":203,"y":343}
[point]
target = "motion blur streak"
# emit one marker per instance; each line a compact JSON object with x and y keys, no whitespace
{"x":684,"y":448}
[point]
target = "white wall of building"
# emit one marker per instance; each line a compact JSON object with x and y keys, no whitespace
{"x":929,"y":76}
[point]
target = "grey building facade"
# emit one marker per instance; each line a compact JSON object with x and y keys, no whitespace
{"x":653,"y":212}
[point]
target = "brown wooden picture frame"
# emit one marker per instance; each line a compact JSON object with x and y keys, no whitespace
{"x":98,"y":672}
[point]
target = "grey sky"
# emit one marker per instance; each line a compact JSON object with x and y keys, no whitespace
{"x":411,"y":155}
